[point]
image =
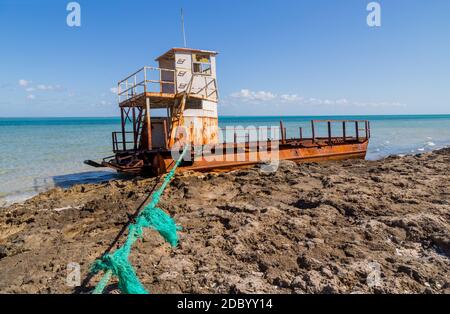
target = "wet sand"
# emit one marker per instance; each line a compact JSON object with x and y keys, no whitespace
{"x":342,"y":227}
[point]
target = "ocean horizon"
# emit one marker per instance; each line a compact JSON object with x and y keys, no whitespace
{"x":39,"y":153}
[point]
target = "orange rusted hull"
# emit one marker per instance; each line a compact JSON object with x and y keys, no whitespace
{"x":246,"y":155}
{"x":299,"y":154}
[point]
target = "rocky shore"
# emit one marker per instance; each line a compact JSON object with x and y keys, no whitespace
{"x":342,"y":227}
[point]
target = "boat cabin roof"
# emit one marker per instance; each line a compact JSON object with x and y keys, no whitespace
{"x":171,"y":53}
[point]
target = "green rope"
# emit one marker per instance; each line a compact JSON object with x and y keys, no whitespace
{"x":117,"y":263}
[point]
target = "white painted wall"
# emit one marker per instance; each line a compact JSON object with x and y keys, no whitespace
{"x":183,"y":66}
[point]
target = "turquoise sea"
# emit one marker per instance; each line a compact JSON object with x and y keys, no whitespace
{"x":39,"y":153}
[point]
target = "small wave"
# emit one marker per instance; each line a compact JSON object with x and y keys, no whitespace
{"x":16,"y":197}
{"x":431,"y":144}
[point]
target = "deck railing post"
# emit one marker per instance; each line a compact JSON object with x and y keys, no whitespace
{"x":149,"y":126}
{"x":160,"y":81}
{"x":329,"y":132}
{"x":124,"y":145}
{"x":113,"y":142}
{"x":283,"y":138}
{"x":166,"y":144}
{"x":134,"y":129}
{"x":313,"y":132}
{"x":366,"y":127}
{"x":368,"y":124}
{"x":301,"y":133}
{"x":145,"y":79}
{"x":344,"y":135}
{"x":357,"y":130}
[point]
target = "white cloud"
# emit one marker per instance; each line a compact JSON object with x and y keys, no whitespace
{"x":113,"y":90}
{"x":291,"y":98}
{"x":41,"y":87}
{"x":247,"y":95}
{"x":251,"y":96}
{"x":342,"y":101}
{"x":24,"y":83}
{"x":44,"y":87}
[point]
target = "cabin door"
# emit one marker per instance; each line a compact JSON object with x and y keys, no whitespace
{"x":159,"y":132}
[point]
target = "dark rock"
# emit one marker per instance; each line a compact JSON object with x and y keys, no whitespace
{"x":3,"y":251}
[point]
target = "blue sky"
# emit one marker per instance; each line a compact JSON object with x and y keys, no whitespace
{"x":292,"y":57}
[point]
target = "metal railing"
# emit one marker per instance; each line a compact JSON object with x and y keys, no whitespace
{"x":333,"y":134}
{"x":205,"y":91}
{"x":151,"y":79}
{"x":146,"y":79}
{"x":345,"y":135}
{"x":120,"y":142}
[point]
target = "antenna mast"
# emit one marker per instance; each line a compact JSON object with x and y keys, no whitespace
{"x":182,"y":26}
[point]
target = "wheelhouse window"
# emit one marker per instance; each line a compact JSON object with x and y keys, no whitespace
{"x":202,"y":64}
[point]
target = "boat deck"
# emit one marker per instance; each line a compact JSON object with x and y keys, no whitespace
{"x":157,"y":100}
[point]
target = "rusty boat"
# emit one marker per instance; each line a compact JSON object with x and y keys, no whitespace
{"x":167,"y":107}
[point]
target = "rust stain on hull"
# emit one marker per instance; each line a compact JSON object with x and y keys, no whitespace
{"x":247,"y":155}
{"x":297,"y":154}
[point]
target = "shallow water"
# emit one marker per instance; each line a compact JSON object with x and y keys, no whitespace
{"x":40,"y":153}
